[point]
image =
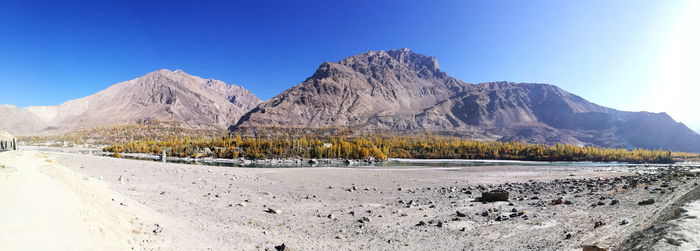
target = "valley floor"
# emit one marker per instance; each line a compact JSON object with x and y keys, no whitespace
{"x":83,"y":202}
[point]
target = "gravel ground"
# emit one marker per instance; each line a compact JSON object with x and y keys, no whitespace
{"x":549,"y":207}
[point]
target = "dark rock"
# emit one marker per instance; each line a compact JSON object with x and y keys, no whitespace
{"x":460,"y":214}
{"x":594,"y":248}
{"x":494,"y":195}
{"x":272,"y":211}
{"x":282,"y":247}
{"x":364,"y":220}
{"x":646,"y":202}
{"x":158,"y":229}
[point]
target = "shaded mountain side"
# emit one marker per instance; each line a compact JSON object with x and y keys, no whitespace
{"x":404,"y":91}
{"x":162,"y":95}
{"x":657,"y":131}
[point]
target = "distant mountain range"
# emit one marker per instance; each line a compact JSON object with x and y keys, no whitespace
{"x":396,"y":90}
{"x":161,"y":95}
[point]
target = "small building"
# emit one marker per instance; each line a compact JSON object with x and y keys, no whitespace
{"x":7,"y":141}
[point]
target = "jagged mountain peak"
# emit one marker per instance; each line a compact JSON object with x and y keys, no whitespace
{"x":393,"y":60}
{"x":401,"y":90}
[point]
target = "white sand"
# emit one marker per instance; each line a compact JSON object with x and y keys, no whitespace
{"x":46,"y":206}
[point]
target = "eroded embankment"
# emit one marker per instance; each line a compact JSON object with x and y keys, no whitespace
{"x":650,"y":237}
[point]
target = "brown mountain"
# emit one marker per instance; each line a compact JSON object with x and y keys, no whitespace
{"x":160,"y":95}
{"x":401,"y":90}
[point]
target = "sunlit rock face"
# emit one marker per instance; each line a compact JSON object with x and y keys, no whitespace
{"x":162,"y":95}
{"x":400,"y":90}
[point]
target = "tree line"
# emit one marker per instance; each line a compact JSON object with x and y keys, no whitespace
{"x":381,"y":147}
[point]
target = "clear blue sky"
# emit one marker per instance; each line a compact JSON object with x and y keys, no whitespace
{"x":625,"y":54}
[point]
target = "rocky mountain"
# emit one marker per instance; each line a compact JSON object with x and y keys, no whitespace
{"x":396,"y":90}
{"x":400,"y":90}
{"x":161,"y":95}
{"x":378,"y":90}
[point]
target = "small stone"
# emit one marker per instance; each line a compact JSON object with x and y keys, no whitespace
{"x":598,"y":224}
{"x":157,"y":229}
{"x":614,"y":202}
{"x":365,"y":219}
{"x":646,"y":202}
{"x":460,"y":214}
{"x":594,"y":248}
{"x":272,"y":211}
{"x":282,"y":247}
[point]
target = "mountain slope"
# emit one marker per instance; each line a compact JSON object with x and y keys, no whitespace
{"x":380,"y":90}
{"x":160,"y":95}
{"x":20,"y":121}
{"x":406,"y":91}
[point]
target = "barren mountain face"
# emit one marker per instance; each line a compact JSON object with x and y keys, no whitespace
{"x":381,"y":90}
{"x":403,"y":90}
{"x":20,"y":121}
{"x":396,"y":90}
{"x":160,"y":95}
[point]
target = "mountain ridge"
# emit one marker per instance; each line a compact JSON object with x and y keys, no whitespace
{"x":395,"y":90}
{"x":407,"y":91}
{"x":158,"y":95}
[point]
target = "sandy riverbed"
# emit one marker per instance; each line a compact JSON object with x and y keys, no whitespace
{"x":223,"y":208}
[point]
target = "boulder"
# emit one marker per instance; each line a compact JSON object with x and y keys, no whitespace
{"x":494,"y":195}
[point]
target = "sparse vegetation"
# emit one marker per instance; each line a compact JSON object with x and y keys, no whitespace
{"x":382,"y":147}
{"x":681,"y":156}
{"x":121,"y":134}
